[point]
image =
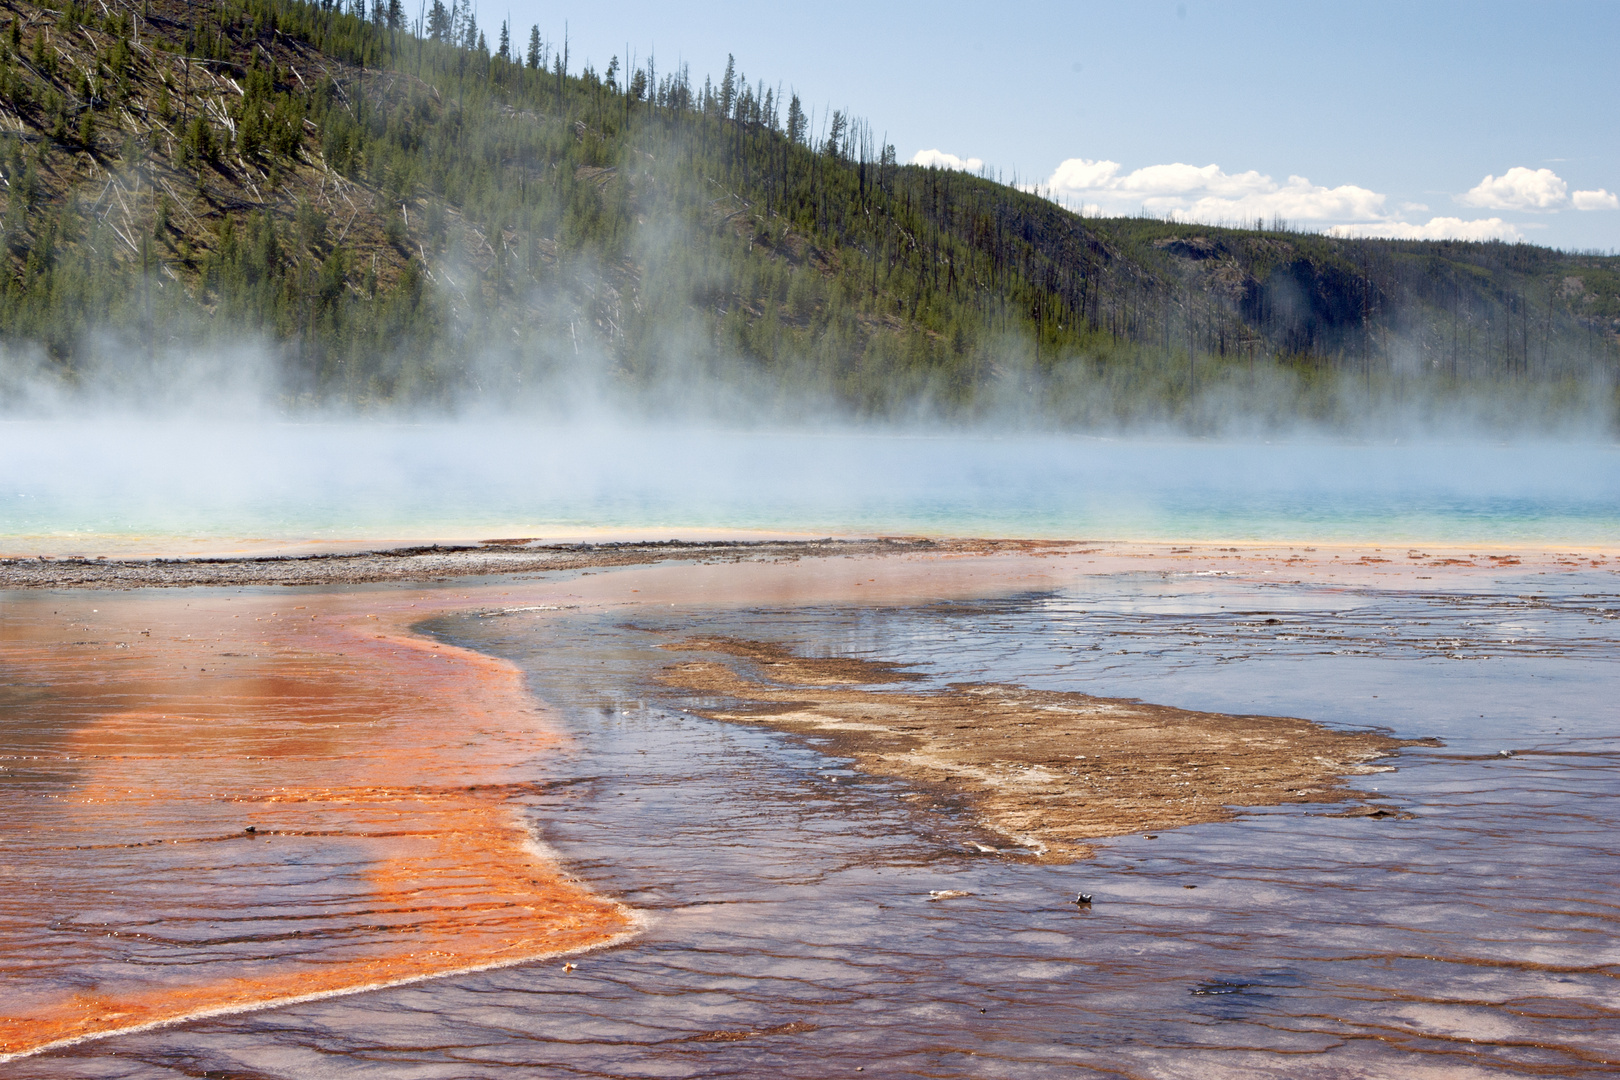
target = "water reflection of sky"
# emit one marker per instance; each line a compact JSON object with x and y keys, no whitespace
{"x":791,"y":932}
{"x":76,"y":482}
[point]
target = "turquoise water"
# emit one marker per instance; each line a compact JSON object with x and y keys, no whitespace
{"x":83,"y":485}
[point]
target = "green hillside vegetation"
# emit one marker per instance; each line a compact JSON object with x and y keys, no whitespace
{"x":409,"y":216}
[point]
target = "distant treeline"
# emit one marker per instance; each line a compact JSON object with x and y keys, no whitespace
{"x":405,"y":214}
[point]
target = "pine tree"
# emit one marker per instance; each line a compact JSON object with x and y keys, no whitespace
{"x":728,"y":86}
{"x":796,"y":122}
{"x":835,"y":136}
{"x":505,"y":50}
{"x":534,"y":48}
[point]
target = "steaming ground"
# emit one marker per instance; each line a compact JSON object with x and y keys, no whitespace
{"x":122,"y":486}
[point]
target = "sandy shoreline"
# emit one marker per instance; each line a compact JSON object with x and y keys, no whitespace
{"x":1366,"y":562}
{"x":413,"y":564}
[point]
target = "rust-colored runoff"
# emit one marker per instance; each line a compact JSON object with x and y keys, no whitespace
{"x":218,"y":804}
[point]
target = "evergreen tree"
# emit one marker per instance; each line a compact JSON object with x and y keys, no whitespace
{"x":534,"y":48}
{"x":796,"y":121}
{"x":728,"y":86}
{"x":835,"y":134}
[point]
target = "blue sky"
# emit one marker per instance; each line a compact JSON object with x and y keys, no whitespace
{"x":1402,"y":119}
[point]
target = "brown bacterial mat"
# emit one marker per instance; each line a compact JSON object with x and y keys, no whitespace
{"x":1048,"y":770}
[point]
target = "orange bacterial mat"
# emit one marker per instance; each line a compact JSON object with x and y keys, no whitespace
{"x":219,"y":802}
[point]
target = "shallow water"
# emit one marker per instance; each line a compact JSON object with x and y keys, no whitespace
{"x":790,"y":927}
{"x":216,"y":800}
{"x":103,"y":487}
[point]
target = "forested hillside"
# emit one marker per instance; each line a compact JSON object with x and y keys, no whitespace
{"x":409,"y":215}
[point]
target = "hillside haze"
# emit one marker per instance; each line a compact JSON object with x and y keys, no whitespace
{"x":329,"y":207}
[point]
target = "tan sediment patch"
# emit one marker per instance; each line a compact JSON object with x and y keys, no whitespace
{"x":1048,"y":770}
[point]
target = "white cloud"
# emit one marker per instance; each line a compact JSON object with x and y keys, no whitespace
{"x":1209,"y":193}
{"x":1518,"y":189}
{"x":1078,"y":175}
{"x":1439,"y":228}
{"x":939,"y":159}
{"x":1534,"y":189}
{"x":1595,"y":200}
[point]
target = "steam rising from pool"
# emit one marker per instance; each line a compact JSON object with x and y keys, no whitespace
{"x":70,"y":486}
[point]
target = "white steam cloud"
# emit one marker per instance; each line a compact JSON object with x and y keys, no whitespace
{"x":87,"y":485}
